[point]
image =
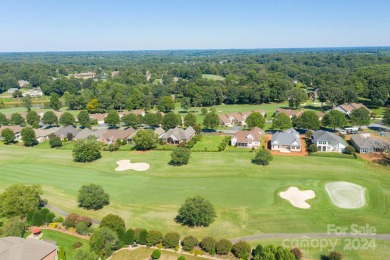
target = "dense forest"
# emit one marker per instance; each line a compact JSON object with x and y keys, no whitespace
{"x":249,"y":76}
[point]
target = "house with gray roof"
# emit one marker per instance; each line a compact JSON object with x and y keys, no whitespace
{"x":177,"y":135}
{"x":17,"y":248}
{"x":328,"y":142}
{"x":86,"y":132}
{"x":365,"y":143}
{"x":286,"y":141}
{"x":44,"y":134}
{"x":64,"y":131}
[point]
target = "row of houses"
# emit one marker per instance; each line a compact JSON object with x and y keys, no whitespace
{"x":237,"y":118}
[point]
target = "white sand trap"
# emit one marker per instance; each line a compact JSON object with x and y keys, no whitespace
{"x":124,"y":165}
{"x":346,"y":195}
{"x":298,"y":198}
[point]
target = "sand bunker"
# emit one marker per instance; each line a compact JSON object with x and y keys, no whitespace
{"x":298,"y":198}
{"x":346,"y":195}
{"x":124,"y":165}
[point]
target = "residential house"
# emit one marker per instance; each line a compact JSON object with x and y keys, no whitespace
{"x":44,"y":134}
{"x":85,"y":75}
{"x":159,"y":132}
{"x":83,"y":134}
{"x":114,"y":73}
{"x":98,"y":117}
{"x":12,"y":90}
{"x":247,"y":113}
{"x":328,"y":142}
{"x":289,"y":112}
{"x":178,"y":135}
{"x":64,"y":132}
{"x":23,"y":83}
{"x":347,"y":108}
{"x":36,"y":92}
{"x":17,"y":248}
{"x":320,"y":115}
{"x":15,"y":128}
{"x":248,"y":139}
{"x":138,"y":112}
{"x":236,"y":118}
{"x":112,"y":135}
{"x":225,"y":120}
{"x":365,"y":143}
{"x":286,"y":141}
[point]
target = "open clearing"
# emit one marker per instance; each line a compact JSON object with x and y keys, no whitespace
{"x":298,"y":198}
{"x":346,"y":195}
{"x":213,"y":77}
{"x":124,"y":165}
{"x":245,"y":195}
{"x":143,"y":253}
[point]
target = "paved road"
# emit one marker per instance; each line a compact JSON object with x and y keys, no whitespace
{"x":309,"y":235}
{"x":64,"y":213}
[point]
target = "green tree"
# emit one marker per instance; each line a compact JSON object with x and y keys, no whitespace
{"x":13,"y":227}
{"x":360,"y":116}
{"x":112,"y":118}
{"x":171,"y":240}
{"x":281,"y":122}
{"x":189,"y":243}
{"x":223,"y":247}
{"x":334,"y":119}
{"x":169,"y":121}
{"x":142,"y":237}
{"x":297,"y":96}
{"x":93,"y":105}
{"x":67,"y":119}
{"x":55,"y":141}
{"x":87,"y":150}
{"x":33,"y":119}
{"x":83,"y":118}
{"x":180,"y":156}
{"x":185,"y":103}
{"x":81,"y":254}
{"x":310,"y":120}
{"x":113,"y":222}
{"x":49,"y":118}
{"x":386,"y":117}
{"x":196,"y":212}
{"x":263,"y":157}
{"x":2,"y":105}
{"x":8,"y":136}
{"x":17,"y":119}
{"x":103,"y":242}
{"x":145,"y":140}
{"x":92,"y":196}
{"x":255,"y":119}
{"x":208,"y":245}
{"x":27,"y":101}
{"x":241,"y":250}
{"x":203,"y":111}
{"x":37,"y":219}
{"x":3,"y":119}
{"x":166,"y":104}
{"x":55,"y":102}
{"x":131,"y":120}
{"x":151,"y":119}
{"x":28,"y":136}
{"x":129,"y":237}
{"x":49,"y":217}
{"x":189,"y":120}
{"x":211,"y":120}
{"x":156,"y":254}
{"x":154,"y":237}
{"x":82,"y":228}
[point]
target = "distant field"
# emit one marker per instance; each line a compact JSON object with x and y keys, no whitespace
{"x":213,"y":77}
{"x":209,"y":142}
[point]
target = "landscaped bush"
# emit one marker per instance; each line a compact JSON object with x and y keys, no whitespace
{"x":82,"y":228}
{"x":297,"y":253}
{"x":208,"y":245}
{"x":44,"y":212}
{"x":37,"y":219}
{"x":333,"y":255}
{"x":113,"y":222}
{"x":53,"y":225}
{"x":312,"y":148}
{"x":349,"y":150}
{"x":189,"y":243}
{"x":181,"y":257}
{"x":129,"y":237}
{"x":263,"y":157}
{"x":241,"y":249}
{"x":171,"y":240}
{"x":55,"y":141}
{"x":49,"y":217}
{"x":59,"y":219}
{"x":156,"y":254}
{"x":78,"y":244}
{"x":73,"y":219}
{"x":154,"y":237}
{"x":142,"y":237}
{"x":223,"y":247}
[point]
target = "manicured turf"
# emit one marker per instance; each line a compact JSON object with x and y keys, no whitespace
{"x":213,"y":77}
{"x":245,"y":195}
{"x":64,"y":240}
{"x":209,"y":143}
{"x":143,"y":253}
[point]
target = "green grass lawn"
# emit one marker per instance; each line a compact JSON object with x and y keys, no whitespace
{"x":209,"y":142}
{"x":213,"y":77}
{"x":245,"y":195}
{"x":144,"y":253}
{"x":64,"y":240}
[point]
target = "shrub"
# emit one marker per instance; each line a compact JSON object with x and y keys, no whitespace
{"x":103,"y":241}
{"x":156,"y":254}
{"x":82,"y":228}
{"x":142,"y":237}
{"x":61,"y":253}
{"x":180,"y":156}
{"x":349,"y":150}
{"x":78,"y":244}
{"x":59,"y":219}
{"x":297,"y":253}
{"x":208,"y":245}
{"x":154,"y":237}
{"x":113,"y":222}
{"x":196,"y":212}
{"x":37,"y":219}
{"x":73,"y":219}
{"x":49,"y":217}
{"x":29,"y":217}
{"x":55,"y":141}
{"x":129,"y":237}
{"x":53,"y":225}
{"x":312,"y":148}
{"x":333,"y":255}
{"x":92,"y":196}
{"x":309,"y":133}
{"x":223,"y":247}
{"x":137,"y":233}
{"x":263,"y":157}
{"x":241,"y":249}
{"x":189,"y":243}
{"x":171,"y":240}
{"x":181,"y":257}
{"x":44,"y":212}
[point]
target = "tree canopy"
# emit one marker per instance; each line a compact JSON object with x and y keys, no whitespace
{"x":92,"y":196}
{"x":255,"y":119}
{"x":87,"y":150}
{"x":145,"y":140}
{"x":196,"y":212}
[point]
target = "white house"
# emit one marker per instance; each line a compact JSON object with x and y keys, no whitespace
{"x":328,"y":142}
{"x":287,"y":141}
{"x":247,"y":139}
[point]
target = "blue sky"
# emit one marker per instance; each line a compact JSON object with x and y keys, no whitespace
{"x":86,"y":25}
